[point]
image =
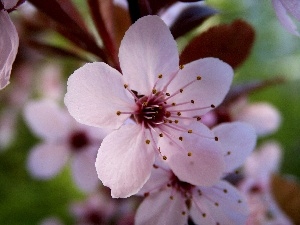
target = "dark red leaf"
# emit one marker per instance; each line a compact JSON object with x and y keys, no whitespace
{"x":231,"y":43}
{"x":190,"y":18}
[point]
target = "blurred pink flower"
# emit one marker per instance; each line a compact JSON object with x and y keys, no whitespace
{"x":63,"y":137}
{"x":9,"y":43}
{"x":171,"y":201}
{"x":164,"y":100}
{"x":284,"y":10}
{"x":256,"y":186}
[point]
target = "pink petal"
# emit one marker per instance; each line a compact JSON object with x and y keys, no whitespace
{"x":9,"y":4}
{"x":238,"y":140}
{"x":124,"y":161}
{"x":284,"y":18}
{"x":84,"y":171}
{"x":46,"y":160}
{"x":262,"y":116}
{"x":159,"y":208}
{"x":293,"y":7}
{"x":216,"y":77}
{"x":221,"y":204}
{"x":205,"y":164}
{"x":264,"y":161}
{"x":9,"y":43}
{"x":159,"y":178}
{"x":47,"y":120}
{"x":147,"y":50}
{"x":95,"y":93}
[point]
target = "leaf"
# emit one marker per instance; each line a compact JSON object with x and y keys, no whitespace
{"x":231,"y":43}
{"x":190,"y":18}
{"x":286,"y":192}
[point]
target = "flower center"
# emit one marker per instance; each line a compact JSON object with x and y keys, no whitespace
{"x":78,"y":140}
{"x":183,"y":187}
{"x":151,"y":111}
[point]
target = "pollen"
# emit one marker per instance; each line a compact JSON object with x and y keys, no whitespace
{"x":125,"y":86}
{"x":147,"y":142}
{"x":190,"y":131}
{"x":181,"y":67}
{"x":160,"y":76}
{"x":164,"y":157}
{"x":199,"y":77}
{"x":189,"y":154}
{"x":118,"y":113}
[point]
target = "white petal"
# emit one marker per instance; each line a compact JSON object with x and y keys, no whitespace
{"x":205,"y":164}
{"x":262,"y":116}
{"x":46,"y":160}
{"x":216,"y":77}
{"x":95,"y":93}
{"x":237,"y":140}
{"x":124,"y":161}
{"x":221,"y":204}
{"x":159,"y":209}
{"x":9,"y":43}
{"x":147,"y":50}
{"x":84,"y":171}
{"x":47,"y":120}
{"x":284,"y":18}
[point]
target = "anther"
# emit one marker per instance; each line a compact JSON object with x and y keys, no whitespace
{"x":190,"y":131}
{"x":225,"y":191}
{"x":239,"y":201}
{"x":181,"y":67}
{"x":229,"y":152}
{"x":176,"y":121}
{"x":118,"y":113}
{"x":171,"y":197}
{"x":199,"y":78}
{"x":167,"y":114}
{"x":212,"y":106}
{"x":144,"y":104}
{"x":192,"y":101}
{"x":147,"y":142}
{"x":155,"y":166}
{"x":160,"y":76}
{"x":125,"y":86}
{"x":183,"y":213}
{"x":178,"y":113}
{"x":180,"y":138}
{"x":204,"y":215}
{"x":167,"y":94}
{"x":216,"y":138}
{"x":146,"y":194}
{"x":181,"y":90}
{"x":198,"y":118}
{"x":154,"y":91}
{"x":173,"y":104}
{"x":216,"y":204}
{"x":189,"y":154}
{"x":164,"y":157}
{"x":161,"y":135}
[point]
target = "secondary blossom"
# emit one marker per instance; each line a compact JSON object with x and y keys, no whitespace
{"x":161,"y":102}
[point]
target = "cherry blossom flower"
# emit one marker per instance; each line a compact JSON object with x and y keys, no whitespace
{"x":63,"y":137}
{"x":9,"y":43}
{"x":285,"y":8}
{"x":163,"y":101}
{"x":256,"y":186}
{"x":170,"y":200}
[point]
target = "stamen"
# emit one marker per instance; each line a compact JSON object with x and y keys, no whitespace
{"x":194,"y":109}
